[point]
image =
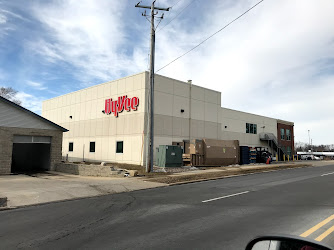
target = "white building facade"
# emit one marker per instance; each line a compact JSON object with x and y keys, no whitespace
{"x":107,"y":122}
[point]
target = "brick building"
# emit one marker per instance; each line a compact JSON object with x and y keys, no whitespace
{"x":28,"y":142}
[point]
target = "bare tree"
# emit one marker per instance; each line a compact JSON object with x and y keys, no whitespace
{"x":10,"y":94}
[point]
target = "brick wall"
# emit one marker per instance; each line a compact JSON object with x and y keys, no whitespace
{"x":6,"y":145}
{"x":285,"y":143}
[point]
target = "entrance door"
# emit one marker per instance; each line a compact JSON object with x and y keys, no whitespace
{"x":31,"y":153}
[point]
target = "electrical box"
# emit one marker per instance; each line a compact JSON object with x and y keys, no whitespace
{"x":169,"y":156}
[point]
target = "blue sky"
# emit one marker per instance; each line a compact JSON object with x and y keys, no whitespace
{"x":276,"y":61}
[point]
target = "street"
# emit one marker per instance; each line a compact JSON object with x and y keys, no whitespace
{"x":220,"y":214}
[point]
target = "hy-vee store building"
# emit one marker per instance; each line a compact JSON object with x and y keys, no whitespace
{"x":107,"y":122}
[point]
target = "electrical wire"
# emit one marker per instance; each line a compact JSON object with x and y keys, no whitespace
{"x":244,"y":13}
{"x":176,"y":15}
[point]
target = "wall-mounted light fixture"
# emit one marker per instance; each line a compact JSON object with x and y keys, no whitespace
{"x":182,"y":110}
{"x":70,"y":117}
{"x":225,"y":126}
{"x":103,"y":112}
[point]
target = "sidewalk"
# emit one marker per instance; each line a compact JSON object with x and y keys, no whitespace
{"x":22,"y":190}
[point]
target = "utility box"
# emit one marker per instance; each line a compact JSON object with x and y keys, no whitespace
{"x":169,"y":156}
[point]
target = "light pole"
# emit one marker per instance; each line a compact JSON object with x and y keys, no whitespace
{"x":309,"y":140}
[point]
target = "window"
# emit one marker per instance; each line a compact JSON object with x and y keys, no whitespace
{"x":119,"y":147}
{"x":70,"y":147}
{"x":288,"y":150}
{"x":288,"y":135}
{"x":92,"y":146}
{"x":282,"y":134}
{"x":251,"y":128}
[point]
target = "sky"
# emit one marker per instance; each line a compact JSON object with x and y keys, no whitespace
{"x":276,"y":61}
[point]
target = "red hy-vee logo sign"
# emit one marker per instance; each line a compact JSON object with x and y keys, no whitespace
{"x":123,"y":103}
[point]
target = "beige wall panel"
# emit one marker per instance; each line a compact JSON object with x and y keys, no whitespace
{"x":181,"y":103}
{"x":129,"y":84}
{"x":121,"y":87}
{"x":137,"y":149}
{"x":100,"y":89}
{"x":83,"y":96}
{"x":177,"y":126}
{"x":197,"y":110}
{"x":197,"y":93}
{"x":163,"y":84}
{"x":113,"y":89}
{"x":120,"y":123}
{"x":158,"y":125}
{"x":197,"y":129}
{"x":168,"y":125}
{"x":77,"y":97}
{"x":138,"y":81}
{"x":163,"y":103}
{"x":99,"y":127}
{"x":94,"y":105}
{"x":211,"y":112}
{"x":104,"y":148}
{"x":94,"y":92}
{"x":98,"y":149}
{"x":105,"y":126}
{"x":127,"y":124}
{"x":111,"y":148}
{"x":181,"y":89}
{"x":211,"y":96}
{"x":185,"y":128}
{"x":106,"y":90}
{"x":67,"y":100}
{"x":211,"y":130}
{"x":87,"y":128}
{"x":112,"y":125}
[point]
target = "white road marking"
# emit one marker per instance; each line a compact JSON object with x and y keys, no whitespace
{"x":227,"y":196}
{"x":327,"y":174}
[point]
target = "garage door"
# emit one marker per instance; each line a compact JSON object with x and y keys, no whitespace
{"x":31,"y":153}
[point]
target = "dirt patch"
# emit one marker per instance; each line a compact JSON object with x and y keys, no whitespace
{"x":172,"y":179}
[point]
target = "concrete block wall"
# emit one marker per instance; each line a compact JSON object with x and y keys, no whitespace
{"x":6,"y":145}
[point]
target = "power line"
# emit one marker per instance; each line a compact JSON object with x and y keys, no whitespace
{"x":211,"y":35}
{"x":176,"y":14}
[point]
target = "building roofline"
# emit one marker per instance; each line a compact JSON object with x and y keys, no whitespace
{"x":277,"y":120}
{"x":32,"y":113}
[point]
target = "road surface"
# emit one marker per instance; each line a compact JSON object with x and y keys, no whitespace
{"x":220,"y":214}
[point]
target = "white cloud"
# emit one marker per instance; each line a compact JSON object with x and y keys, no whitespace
{"x":36,"y":85}
{"x":89,"y":35}
{"x":3,"y":19}
{"x":30,"y":102}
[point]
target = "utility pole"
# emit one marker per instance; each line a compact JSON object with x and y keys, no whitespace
{"x":309,"y":140}
{"x":150,"y":138}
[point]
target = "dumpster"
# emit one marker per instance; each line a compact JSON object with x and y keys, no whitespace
{"x":221,"y":152}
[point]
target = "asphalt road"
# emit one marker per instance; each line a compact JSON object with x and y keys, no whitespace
{"x":221,"y":214}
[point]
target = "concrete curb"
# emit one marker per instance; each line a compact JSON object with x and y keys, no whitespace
{"x":3,"y":202}
{"x":235,"y":175}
